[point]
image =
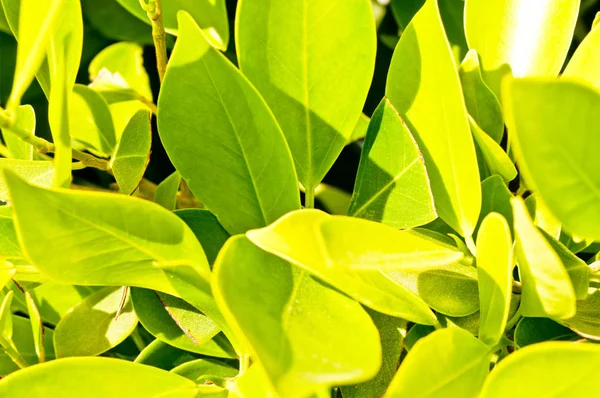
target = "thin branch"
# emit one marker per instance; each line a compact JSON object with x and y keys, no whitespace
{"x":42,"y":146}
{"x":154,"y":12}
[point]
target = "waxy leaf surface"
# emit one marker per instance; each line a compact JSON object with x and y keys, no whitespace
{"x":231,"y":142}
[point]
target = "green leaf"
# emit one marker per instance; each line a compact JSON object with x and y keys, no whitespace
{"x":114,"y":22}
{"x":429,"y":84}
{"x":392,"y":331}
{"x":126,"y":60}
{"x":448,"y":362}
{"x":163,"y":356}
{"x":586,"y":321}
{"x":9,"y":244}
{"x":92,"y":328}
{"x":335,"y":200}
{"x":542,"y":217}
{"x":207,"y":229}
{"x":132,"y":153}
{"x":37,"y":26}
{"x":6,"y":326}
{"x":450,"y":289}
{"x":242,"y":149}
{"x":198,"y":370}
{"x":133,"y":252}
{"x":585,"y":64}
{"x":360,"y":129}
{"x":481,"y":102}
{"x":531,"y":38}
{"x":496,"y":159}
{"x":37,"y":172}
{"x":37,"y":327}
{"x":90,"y":121}
{"x":167,"y":190}
{"x":55,"y":299}
{"x":297,"y":55}
{"x":96,"y":378}
{"x":179,"y":324}
{"x":494,"y":275}
{"x":24,"y":121}
{"x":545,"y":370}
{"x":496,"y":198}
{"x":118,"y":73}
{"x":302,"y":346}
{"x":547,"y":289}
{"x":416,"y":333}
{"x":537,"y":330}
{"x":549,"y":122}
{"x":350,"y":253}
{"x":578,"y":270}
{"x":210,"y":15}
{"x":24,"y":343}
{"x":392,"y":185}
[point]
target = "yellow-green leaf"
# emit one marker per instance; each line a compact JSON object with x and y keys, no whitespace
{"x":423,"y":81}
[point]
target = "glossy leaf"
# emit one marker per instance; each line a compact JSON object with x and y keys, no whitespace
{"x":495,"y":158}
{"x":496,"y":198}
{"x":118,"y":73}
{"x":429,"y":84}
{"x":360,"y":129}
{"x":392,"y":331}
{"x":542,"y":217}
{"x":95,"y":378}
{"x":296,"y":54}
{"x":302,"y":346}
{"x":37,"y":327}
{"x":90,"y":121}
{"x":36,"y":172}
{"x":207,"y":229}
{"x":450,"y":289}
{"x":132,"y":154}
{"x":562,"y":168}
{"x":54,"y":299}
{"x":531,"y":37}
{"x":547,"y":289}
{"x":584,"y":64}
{"x":243,"y":150}
{"x":91,"y":327}
{"x":494,"y":275}
{"x":537,"y":330}
{"x":350,"y":253}
{"x":24,"y":121}
{"x":163,"y":356}
{"x":198,"y":370}
{"x":167,"y":190}
{"x":449,"y":362}
{"x":177,"y":323}
{"x":210,"y":15}
{"x":37,"y":24}
{"x":528,"y":368}
{"x":392,"y":185}
{"x":335,"y":200}
{"x":578,"y":270}
{"x":133,"y":251}
{"x":586,"y":321}
{"x":24,"y":342}
{"x":115,"y":22}
{"x":481,"y":102}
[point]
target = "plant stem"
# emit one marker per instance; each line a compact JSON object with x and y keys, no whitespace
{"x":513,"y":321}
{"x":309,"y":198}
{"x":43,"y":146}
{"x":137,"y":340}
{"x":154,"y":12}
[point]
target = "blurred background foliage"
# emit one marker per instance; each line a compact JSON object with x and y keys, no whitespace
{"x":107,"y":22}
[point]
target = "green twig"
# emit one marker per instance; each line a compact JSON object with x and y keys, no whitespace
{"x":309,"y":198}
{"x":154,"y":12}
{"x":42,"y":146}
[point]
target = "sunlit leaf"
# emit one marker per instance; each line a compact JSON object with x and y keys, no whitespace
{"x":392,"y":185}
{"x":233,"y":141}
{"x":297,"y":55}
{"x":429,"y":85}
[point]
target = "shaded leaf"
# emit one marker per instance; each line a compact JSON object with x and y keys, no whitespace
{"x":207,"y":229}
{"x":496,"y":159}
{"x":537,"y":330}
{"x":167,"y":190}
